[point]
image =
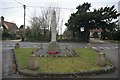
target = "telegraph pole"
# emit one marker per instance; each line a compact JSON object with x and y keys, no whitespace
{"x":24,"y":6}
{"x":119,"y":16}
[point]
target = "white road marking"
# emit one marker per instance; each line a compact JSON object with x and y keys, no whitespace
{"x":7,"y":45}
{"x":94,"y":47}
{"x":107,"y":47}
{"x":116,"y":47}
{"x":34,"y":46}
{"x":101,"y":47}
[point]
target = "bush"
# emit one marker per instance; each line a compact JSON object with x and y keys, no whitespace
{"x":116,"y":35}
{"x":95,"y":35}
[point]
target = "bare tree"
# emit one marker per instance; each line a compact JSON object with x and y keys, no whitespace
{"x":47,"y":15}
{"x":41,"y":24}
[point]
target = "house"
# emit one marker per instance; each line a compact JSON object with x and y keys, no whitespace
{"x":10,"y":26}
{"x":97,"y":31}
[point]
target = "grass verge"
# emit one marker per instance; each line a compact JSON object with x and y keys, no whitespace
{"x":22,"y":55}
{"x":85,"y":62}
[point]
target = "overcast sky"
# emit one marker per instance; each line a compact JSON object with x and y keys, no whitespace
{"x":12,"y":10}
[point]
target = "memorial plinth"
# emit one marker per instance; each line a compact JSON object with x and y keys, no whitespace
{"x":53,"y":47}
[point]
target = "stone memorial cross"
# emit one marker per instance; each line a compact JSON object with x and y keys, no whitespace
{"x":53,"y":27}
{"x":53,"y":45}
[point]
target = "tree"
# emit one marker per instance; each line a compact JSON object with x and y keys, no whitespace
{"x":104,"y":19}
{"x":67,"y":35}
{"x":5,"y":34}
{"x":40,"y":25}
{"x":81,"y":19}
{"x":35,"y":27}
{"x":84,"y":18}
{"x":46,"y":18}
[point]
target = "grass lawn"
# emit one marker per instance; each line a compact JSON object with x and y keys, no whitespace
{"x":22,"y":55}
{"x":85,"y":62}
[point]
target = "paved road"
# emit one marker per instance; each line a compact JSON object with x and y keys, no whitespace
{"x":10,"y":44}
{"x":110,"y":49}
{"x":7,"y":62}
{"x":7,"y":67}
{"x":112,"y":55}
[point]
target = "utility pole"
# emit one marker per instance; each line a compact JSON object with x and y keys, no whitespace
{"x":24,"y":6}
{"x":119,"y":16}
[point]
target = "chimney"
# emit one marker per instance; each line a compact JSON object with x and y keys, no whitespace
{"x":2,"y":20}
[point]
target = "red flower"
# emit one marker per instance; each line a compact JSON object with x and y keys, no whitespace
{"x":53,"y":52}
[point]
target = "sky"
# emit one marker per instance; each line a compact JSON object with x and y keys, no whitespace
{"x":12,"y":10}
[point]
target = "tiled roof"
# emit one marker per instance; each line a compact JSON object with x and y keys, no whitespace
{"x":10,"y":25}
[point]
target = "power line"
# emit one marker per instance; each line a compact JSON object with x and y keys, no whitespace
{"x":19,"y":2}
{"x":11,"y":7}
{"x":51,"y":7}
{"x":29,"y":11}
{"x":37,"y":7}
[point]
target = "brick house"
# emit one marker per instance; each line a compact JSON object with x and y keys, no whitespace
{"x":10,"y":26}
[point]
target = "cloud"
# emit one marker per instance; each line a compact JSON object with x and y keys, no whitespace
{"x":16,"y":14}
